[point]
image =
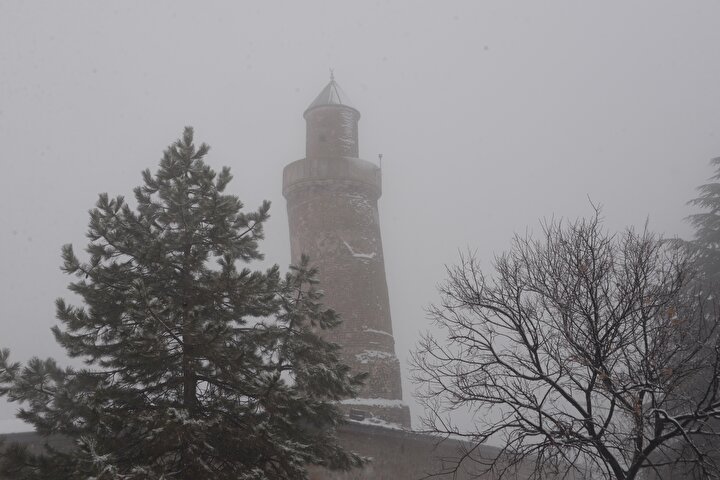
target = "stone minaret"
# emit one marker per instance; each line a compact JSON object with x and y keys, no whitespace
{"x":332,"y":207}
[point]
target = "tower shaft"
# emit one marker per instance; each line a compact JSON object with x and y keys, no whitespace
{"x":332,"y":202}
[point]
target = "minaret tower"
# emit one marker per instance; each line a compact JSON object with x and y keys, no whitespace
{"x":332,"y":207}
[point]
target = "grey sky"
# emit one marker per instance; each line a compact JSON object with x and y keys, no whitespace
{"x":490,"y":115}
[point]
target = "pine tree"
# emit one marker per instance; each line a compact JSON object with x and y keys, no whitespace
{"x":195,"y":368}
{"x":704,"y":249}
{"x":706,"y":244}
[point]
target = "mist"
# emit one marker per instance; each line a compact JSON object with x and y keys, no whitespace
{"x":489,"y":117}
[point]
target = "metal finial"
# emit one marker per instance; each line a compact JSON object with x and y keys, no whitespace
{"x":332,"y":75}
{"x":380,"y":155}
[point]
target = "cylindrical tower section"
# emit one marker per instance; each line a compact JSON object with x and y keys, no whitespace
{"x":332,"y":131}
{"x":333,"y":216}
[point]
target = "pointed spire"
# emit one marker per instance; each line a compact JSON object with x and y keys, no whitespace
{"x":332,"y":94}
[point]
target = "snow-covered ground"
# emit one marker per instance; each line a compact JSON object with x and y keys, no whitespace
{"x":14,"y":425}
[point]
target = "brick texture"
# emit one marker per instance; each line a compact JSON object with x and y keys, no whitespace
{"x":332,"y":203}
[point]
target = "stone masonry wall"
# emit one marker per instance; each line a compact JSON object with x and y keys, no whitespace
{"x":332,"y":132}
{"x":400,"y":455}
{"x":337,"y":225}
{"x":332,"y":210}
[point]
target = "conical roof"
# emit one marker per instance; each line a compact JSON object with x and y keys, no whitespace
{"x":332,"y":94}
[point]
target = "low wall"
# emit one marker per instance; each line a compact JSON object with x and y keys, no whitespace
{"x":399,"y":455}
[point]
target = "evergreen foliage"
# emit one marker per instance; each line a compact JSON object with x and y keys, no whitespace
{"x":705,"y":250}
{"x":706,"y":243}
{"x":197,"y":367}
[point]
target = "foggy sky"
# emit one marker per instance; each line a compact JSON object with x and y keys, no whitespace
{"x":490,"y":116}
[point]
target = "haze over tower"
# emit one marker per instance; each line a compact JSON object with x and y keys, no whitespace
{"x":332,"y":207}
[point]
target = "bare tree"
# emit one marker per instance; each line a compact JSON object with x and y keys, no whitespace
{"x":575,"y":357}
